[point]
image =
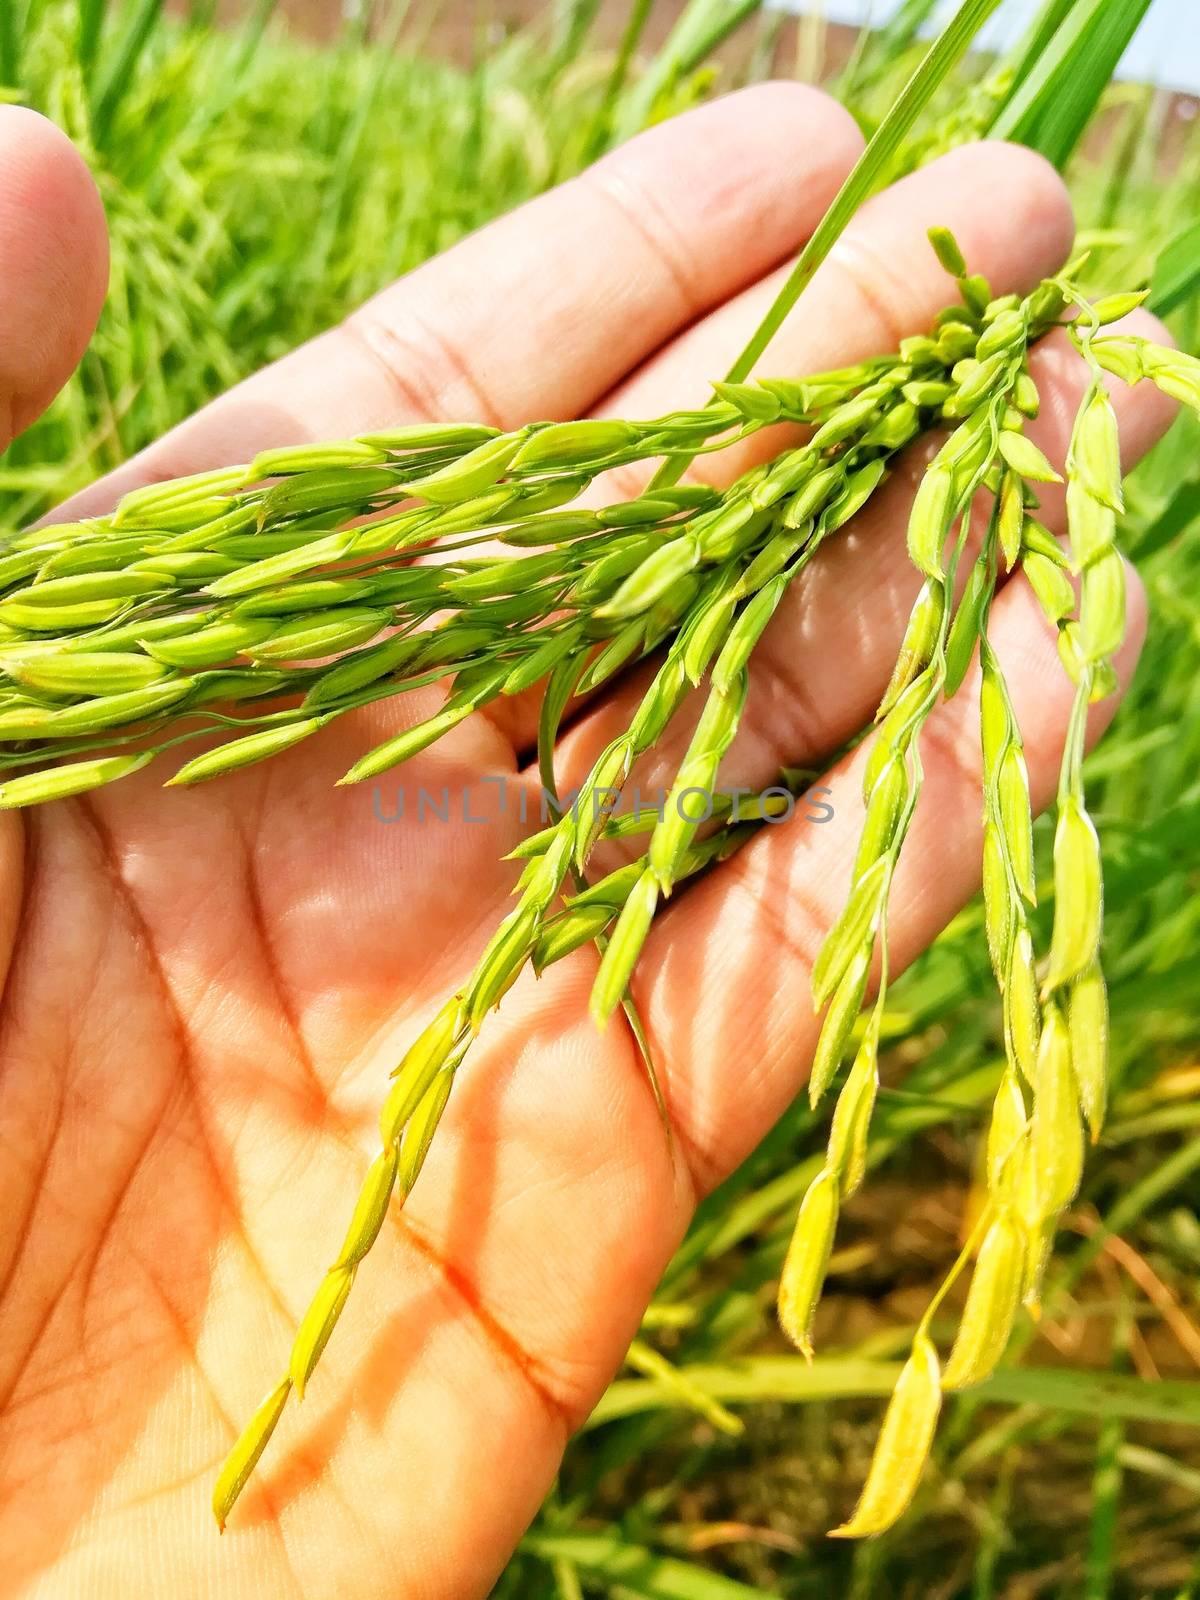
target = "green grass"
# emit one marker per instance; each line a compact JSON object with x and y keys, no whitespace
{"x":215,"y":152}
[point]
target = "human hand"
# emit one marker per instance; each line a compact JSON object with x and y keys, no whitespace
{"x":206,"y":989}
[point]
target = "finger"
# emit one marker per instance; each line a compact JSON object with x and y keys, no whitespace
{"x":823,"y":663}
{"x":724,"y":980}
{"x":53,"y":264}
{"x":881,"y":282}
{"x":542,"y":311}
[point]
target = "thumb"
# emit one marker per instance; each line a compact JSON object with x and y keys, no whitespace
{"x":53,"y":264}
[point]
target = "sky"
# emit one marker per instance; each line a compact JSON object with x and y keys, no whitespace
{"x":1166,"y":48}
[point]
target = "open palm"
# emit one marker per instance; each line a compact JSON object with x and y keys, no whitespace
{"x":206,"y":989}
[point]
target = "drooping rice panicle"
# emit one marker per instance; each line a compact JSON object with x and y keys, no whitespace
{"x":1054,"y":1037}
{"x":1032,"y":1168}
{"x":258,"y":604}
{"x":751,"y":544}
{"x":933,"y":657}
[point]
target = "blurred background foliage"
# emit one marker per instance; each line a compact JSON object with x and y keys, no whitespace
{"x":263,"y":173}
